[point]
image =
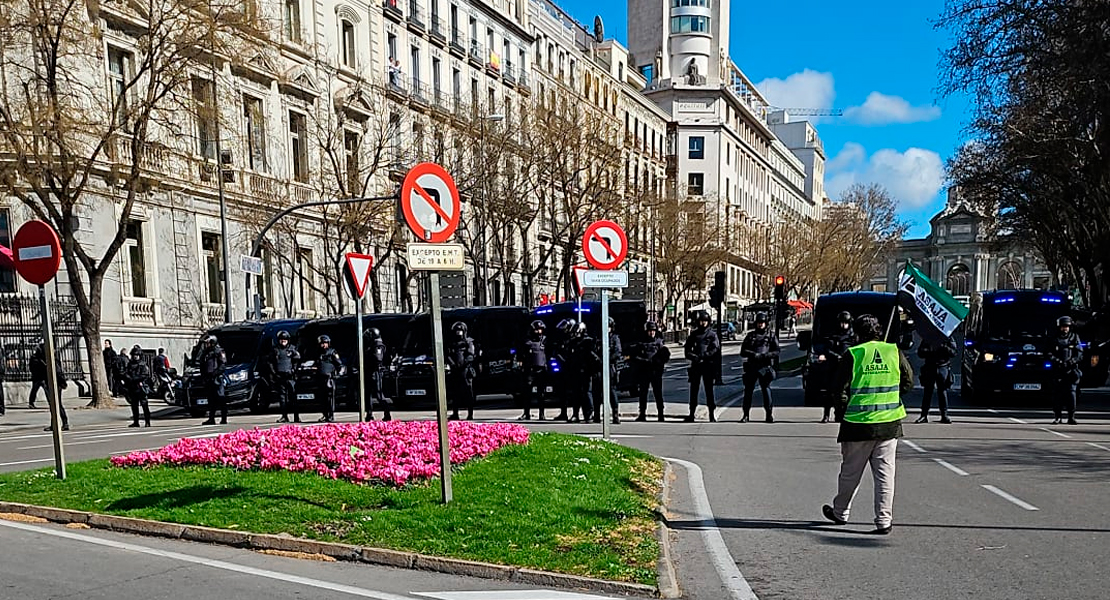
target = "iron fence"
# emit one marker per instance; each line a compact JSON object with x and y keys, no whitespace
{"x":21,"y":333}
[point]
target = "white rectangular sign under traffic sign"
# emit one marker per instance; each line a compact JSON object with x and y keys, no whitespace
{"x":605,"y":279}
{"x":250,"y":264}
{"x":437,"y":257}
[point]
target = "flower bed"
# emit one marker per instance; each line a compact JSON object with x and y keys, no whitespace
{"x":393,"y":453}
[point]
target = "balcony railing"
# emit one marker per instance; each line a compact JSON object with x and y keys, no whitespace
{"x":458,"y":41}
{"x":142,"y":311}
{"x":419,"y":91}
{"x":392,"y":9}
{"x":213,"y":313}
{"x":416,"y":16}
{"x":507,"y":72}
{"x":395,"y":82}
{"x":477,"y":51}
{"x":438,"y":29}
{"x":522,"y":79}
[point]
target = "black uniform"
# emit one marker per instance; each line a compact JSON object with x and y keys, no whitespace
{"x":583,"y":363}
{"x":38,"y":381}
{"x":279,"y":370}
{"x":213,"y":361}
{"x":137,"y":387}
{"x":110,"y":369}
{"x":1066,"y":356}
{"x":119,"y":368}
{"x":936,"y":372}
{"x":701,"y":350}
{"x":558,"y":352}
{"x":536,"y":379}
{"x":759,"y":349}
{"x":374,"y":361}
{"x":836,"y":350}
{"x":460,"y":379}
{"x":327,"y":367}
{"x":649,"y":360}
{"x":615,"y":351}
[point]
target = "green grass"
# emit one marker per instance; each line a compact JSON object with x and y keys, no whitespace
{"x":561,"y":503}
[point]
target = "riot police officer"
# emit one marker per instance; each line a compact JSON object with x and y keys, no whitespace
{"x":136,"y":379}
{"x":460,"y":377}
{"x":534,"y":362}
{"x":328,"y":366}
{"x":1066,"y":355}
{"x":649,"y":361}
{"x":936,"y":373}
{"x":375,"y":364}
{"x":701,"y":350}
{"x":559,"y":351}
{"x":615,"y":351}
{"x":278,"y":372}
{"x":584,"y":364}
{"x":759,"y":349}
{"x":213,"y":361}
{"x":836,"y":346}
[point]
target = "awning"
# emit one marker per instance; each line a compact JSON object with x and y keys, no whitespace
{"x":800,"y":304}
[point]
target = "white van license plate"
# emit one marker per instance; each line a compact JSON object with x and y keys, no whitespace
{"x":416,"y":393}
{"x":306,"y":397}
{"x":1027,"y":387}
{"x":201,"y":401}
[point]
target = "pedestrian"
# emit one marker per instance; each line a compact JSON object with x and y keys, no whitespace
{"x":834,"y":351}
{"x":213,"y":361}
{"x":328,"y":365}
{"x":871,"y":384}
{"x":163,"y":360}
{"x":936,"y":373}
{"x":3,"y":378}
{"x":701,"y":350}
{"x":109,"y":354}
{"x":649,"y":361}
{"x":1066,"y":354}
{"x":278,"y":374}
{"x":615,"y":352}
{"x":534,"y":363}
{"x":460,"y":375}
{"x":375,"y":364}
{"x":39,"y":381}
{"x":760,"y":349}
{"x":137,"y":377}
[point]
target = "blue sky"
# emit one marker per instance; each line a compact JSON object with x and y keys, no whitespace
{"x":874,"y":59}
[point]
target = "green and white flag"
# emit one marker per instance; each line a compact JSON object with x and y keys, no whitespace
{"x":931,"y":303}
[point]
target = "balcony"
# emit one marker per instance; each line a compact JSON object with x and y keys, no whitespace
{"x":458,"y":43}
{"x":301,"y":192}
{"x":142,"y":311}
{"x":419,"y":93}
{"x":263,"y":187}
{"x":438,"y":31}
{"x":444,"y":103}
{"x":391,"y":9}
{"x":477,"y":53}
{"x":523,"y":82}
{"x":396,"y":85}
{"x":416,"y":17}
{"x":213,"y":313}
{"x":507,"y":74}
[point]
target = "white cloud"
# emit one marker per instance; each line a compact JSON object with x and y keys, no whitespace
{"x":913,"y":177}
{"x":881,"y":109}
{"x":808,"y":89}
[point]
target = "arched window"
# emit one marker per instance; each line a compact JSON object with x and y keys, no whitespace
{"x":958,"y":281}
{"x":1010,"y":276}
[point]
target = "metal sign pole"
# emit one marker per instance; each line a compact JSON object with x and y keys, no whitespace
{"x":54,"y":394}
{"x":441,"y":388}
{"x":361,"y":364}
{"x":605,"y":358}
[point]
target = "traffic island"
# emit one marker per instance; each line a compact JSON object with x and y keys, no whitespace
{"x":554,"y":510}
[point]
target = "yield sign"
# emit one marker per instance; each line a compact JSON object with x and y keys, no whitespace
{"x":430,"y":203}
{"x":579,"y":274}
{"x":359,"y":266}
{"x":605,"y":245}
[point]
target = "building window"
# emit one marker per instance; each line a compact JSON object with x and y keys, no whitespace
{"x":414,"y":54}
{"x":697,"y":147}
{"x":958,"y":281}
{"x":213,"y":266}
{"x":686,"y":24}
{"x":348,"y":40}
{"x":391,"y":45}
{"x":350,"y":151}
{"x":203,"y":94}
{"x":119,"y":75}
{"x":307,"y":278}
{"x":7,"y":274}
{"x":435,"y":77}
{"x":135,"y":261}
{"x":298,"y":139}
{"x":695,"y":184}
{"x":291,"y":17}
{"x":255,"y":126}
{"x":680,"y":3}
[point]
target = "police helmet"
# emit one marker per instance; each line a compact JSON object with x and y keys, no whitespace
{"x":538,"y":325}
{"x":374,"y":333}
{"x":868,"y":328}
{"x":703,"y":316}
{"x":459,"y":328}
{"x":283,"y":335}
{"x":210,"y":340}
{"x":580,"y":329}
{"x":567,"y":326}
{"x":612,"y":323}
{"x":761,"y":317}
{"x":651,"y":326}
{"x":1064,"y":321}
{"x":136,"y":351}
{"x":844,"y":317}
{"x":324,"y":339}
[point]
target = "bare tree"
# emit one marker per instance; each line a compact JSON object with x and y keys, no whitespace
{"x":65,"y":130}
{"x":690,"y":245}
{"x":854,"y":240}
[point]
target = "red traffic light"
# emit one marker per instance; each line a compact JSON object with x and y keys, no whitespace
{"x":780,"y":280}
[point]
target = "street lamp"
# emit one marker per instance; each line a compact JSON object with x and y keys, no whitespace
{"x":483,"y":224}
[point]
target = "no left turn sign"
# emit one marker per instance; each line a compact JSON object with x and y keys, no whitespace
{"x":430,"y":203}
{"x":605,"y":245}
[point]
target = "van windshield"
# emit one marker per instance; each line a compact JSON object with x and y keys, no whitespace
{"x":1014,"y":320}
{"x":239,"y":346}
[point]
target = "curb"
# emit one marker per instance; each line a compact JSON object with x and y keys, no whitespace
{"x":346,"y":552}
{"x":666,"y":576}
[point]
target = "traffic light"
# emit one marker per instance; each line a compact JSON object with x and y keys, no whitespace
{"x":780,"y":288}
{"x":717,"y":292}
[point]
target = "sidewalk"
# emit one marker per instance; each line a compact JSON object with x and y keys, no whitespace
{"x":20,"y":417}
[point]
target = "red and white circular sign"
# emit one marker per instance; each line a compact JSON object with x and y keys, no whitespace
{"x":37,"y":253}
{"x":430,"y":203}
{"x":605,"y":245}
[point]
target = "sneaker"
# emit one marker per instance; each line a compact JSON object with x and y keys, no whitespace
{"x":283,"y":420}
{"x":923,"y":419}
{"x":524,"y":417}
{"x":65,"y":426}
{"x":135,"y":424}
{"x":827,"y":511}
{"x":1056,"y":421}
{"x":744,"y":419}
{"x":882,"y":530}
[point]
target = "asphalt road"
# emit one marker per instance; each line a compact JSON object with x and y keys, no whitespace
{"x":998,"y":505}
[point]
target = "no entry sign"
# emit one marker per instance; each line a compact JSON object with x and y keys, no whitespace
{"x":430,"y":203}
{"x":37,"y":253}
{"x":605,"y":245}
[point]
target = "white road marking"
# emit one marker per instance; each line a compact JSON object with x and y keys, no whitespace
{"x":722,"y":560}
{"x":914,"y":446}
{"x":951,"y":467}
{"x":26,"y":462}
{"x":991,"y":410}
{"x":1006,"y":496}
{"x":1018,"y":421}
{"x":208,"y":562}
{"x":1099,"y":446}
{"x":1063,"y":435}
{"x":512,"y":595}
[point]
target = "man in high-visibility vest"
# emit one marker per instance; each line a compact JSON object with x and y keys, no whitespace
{"x":871,"y":385}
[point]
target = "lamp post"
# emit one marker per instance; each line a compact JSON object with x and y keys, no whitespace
{"x":484,"y":223}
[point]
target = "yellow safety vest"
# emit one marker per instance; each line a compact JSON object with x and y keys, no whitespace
{"x":875,"y":379}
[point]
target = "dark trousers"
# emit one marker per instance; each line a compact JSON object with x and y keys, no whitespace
{"x":216,"y":400}
{"x":325,"y":395}
{"x":934,"y":378}
{"x":699,"y":376}
{"x":535,"y":390}
{"x":36,"y":385}
{"x":2,"y":409}
{"x":599,"y":396}
{"x":282,"y":389}
{"x":460,"y":392}
{"x":137,"y":398}
{"x":375,"y":393}
{"x":578,"y":395}
{"x":1067,"y":386}
{"x":764,"y":379}
{"x":651,"y":379}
